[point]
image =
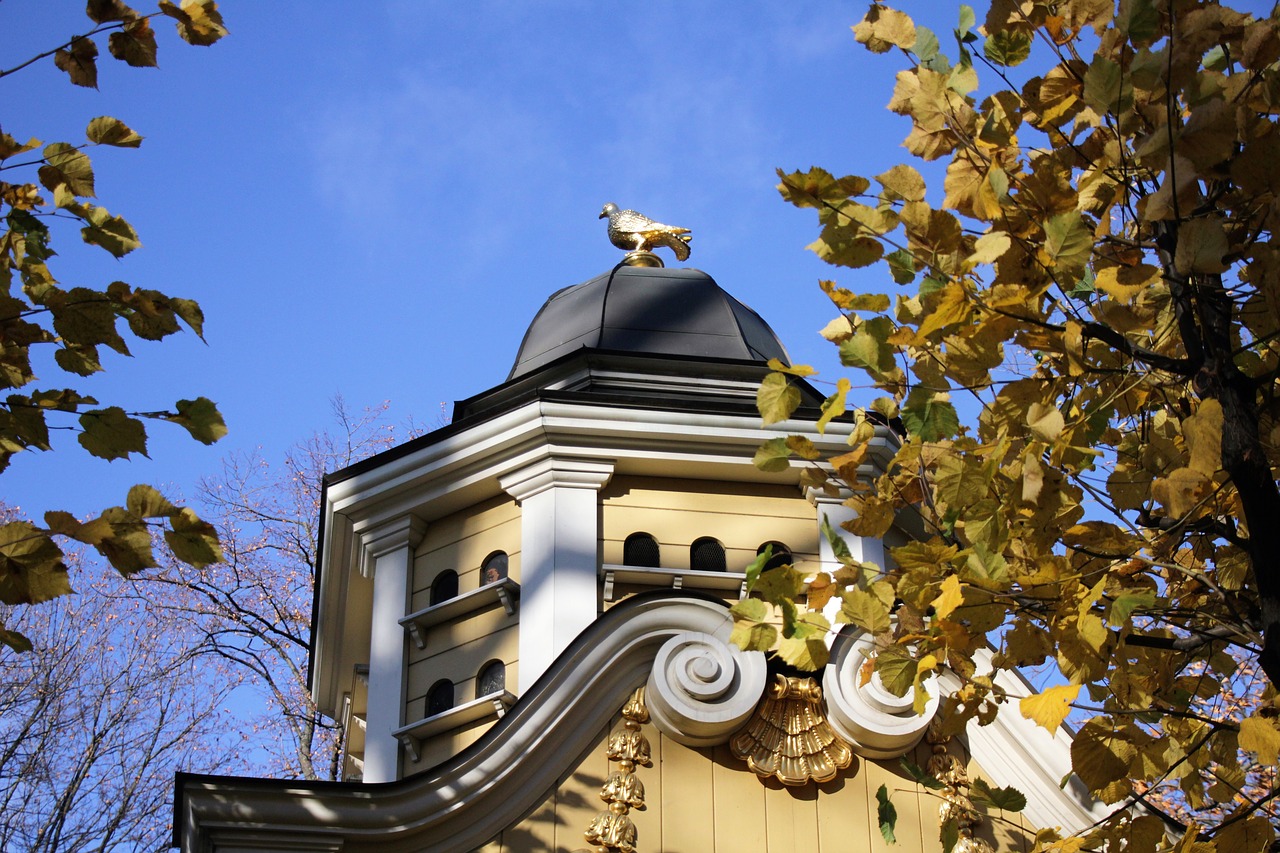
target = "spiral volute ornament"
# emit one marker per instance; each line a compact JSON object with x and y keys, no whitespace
{"x":702,"y":688}
{"x":873,"y":720}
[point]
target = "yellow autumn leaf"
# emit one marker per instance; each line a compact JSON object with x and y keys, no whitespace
{"x":883,"y":29}
{"x":1051,"y":706}
{"x":1203,"y":434}
{"x":950,"y":596}
{"x":952,"y":308}
{"x":1202,"y":244}
{"x":1260,"y":735}
{"x":1180,"y":491}
{"x":1045,"y":421}
{"x":988,"y":248}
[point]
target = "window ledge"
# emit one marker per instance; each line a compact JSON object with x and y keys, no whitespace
{"x":505,"y":592}
{"x":493,"y":705}
{"x":673,"y":578}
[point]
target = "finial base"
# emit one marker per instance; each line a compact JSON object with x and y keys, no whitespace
{"x":642,"y":259}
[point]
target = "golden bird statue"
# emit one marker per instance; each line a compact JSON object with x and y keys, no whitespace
{"x":640,"y":235}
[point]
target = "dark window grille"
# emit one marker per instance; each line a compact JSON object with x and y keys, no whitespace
{"x":706,"y":555}
{"x":640,"y":549}
{"x":781,"y":555}
{"x":494,"y":568}
{"x":444,"y":587}
{"x":492,"y":679}
{"x":440,"y":697}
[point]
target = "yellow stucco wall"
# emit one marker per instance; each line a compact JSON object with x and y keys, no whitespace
{"x":707,"y":801}
{"x":458,"y":650}
{"x":742,"y":516}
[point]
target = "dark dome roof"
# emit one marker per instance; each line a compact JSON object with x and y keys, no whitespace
{"x":680,"y":312}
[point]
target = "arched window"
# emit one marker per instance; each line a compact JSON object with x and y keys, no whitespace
{"x":492,"y":679}
{"x":640,"y":549}
{"x":706,"y":555}
{"x":494,"y":568}
{"x":444,"y":587}
{"x":440,"y":697}
{"x":781,"y":555}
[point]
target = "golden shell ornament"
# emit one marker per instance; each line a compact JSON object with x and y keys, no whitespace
{"x":788,"y":737}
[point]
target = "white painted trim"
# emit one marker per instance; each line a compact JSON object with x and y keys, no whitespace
{"x":462,"y":804}
{"x":1015,"y":751}
{"x":388,"y":557}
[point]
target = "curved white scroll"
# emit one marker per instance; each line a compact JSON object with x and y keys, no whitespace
{"x":876,"y":723}
{"x":702,"y":688}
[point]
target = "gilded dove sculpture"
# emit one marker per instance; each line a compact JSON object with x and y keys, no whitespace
{"x":636,"y":232}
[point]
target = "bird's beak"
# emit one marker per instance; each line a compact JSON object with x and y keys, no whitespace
{"x":602,"y":215}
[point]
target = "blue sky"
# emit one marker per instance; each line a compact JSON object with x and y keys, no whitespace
{"x":374,"y":199}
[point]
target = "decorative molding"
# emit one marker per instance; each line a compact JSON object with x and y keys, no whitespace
{"x":613,"y":830}
{"x":789,"y":738}
{"x":702,"y":688}
{"x":876,"y":723}
{"x":1015,"y":751}
{"x":671,"y":579}
{"x":378,"y":541}
{"x":552,"y":472}
{"x":505,"y":592}
{"x":494,"y":705}
{"x":463,"y":803}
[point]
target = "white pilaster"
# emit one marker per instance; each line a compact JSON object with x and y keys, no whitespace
{"x":559,"y":555}
{"x":387,"y":557}
{"x":834,"y":511}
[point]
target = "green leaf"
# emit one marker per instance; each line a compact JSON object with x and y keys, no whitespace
{"x":1069,"y":243}
{"x":201,"y":418}
{"x":105,"y":130}
{"x":753,"y":636}
{"x":866,"y":610}
{"x":949,"y":835}
{"x":886,"y":814}
{"x":1009,"y":799}
{"x":929,"y":415}
{"x":839,"y":547}
{"x":757,"y":565}
{"x":774,"y":455}
{"x":921,"y":778}
{"x":868,"y":347}
{"x":31,"y":565}
{"x":897,"y":669}
{"x":834,"y":406}
{"x":65,"y":165}
{"x":128,"y":547}
{"x":1007,"y":47}
{"x":189,"y":311}
{"x":839,"y":245}
{"x":781,"y":584}
{"x":147,"y":502}
{"x":112,"y":233}
{"x":777,"y":398}
{"x":135,"y":44}
{"x":111,"y":434}
{"x":1123,"y":605}
{"x":15,"y":640}
{"x":926,"y":46}
{"x":901,"y":266}
{"x":86,"y":318}
{"x":808,"y":653}
{"x":191,"y":540}
{"x":1106,"y":89}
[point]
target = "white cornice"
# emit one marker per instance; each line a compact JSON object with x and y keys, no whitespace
{"x":463,"y":803}
{"x":553,"y":472}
